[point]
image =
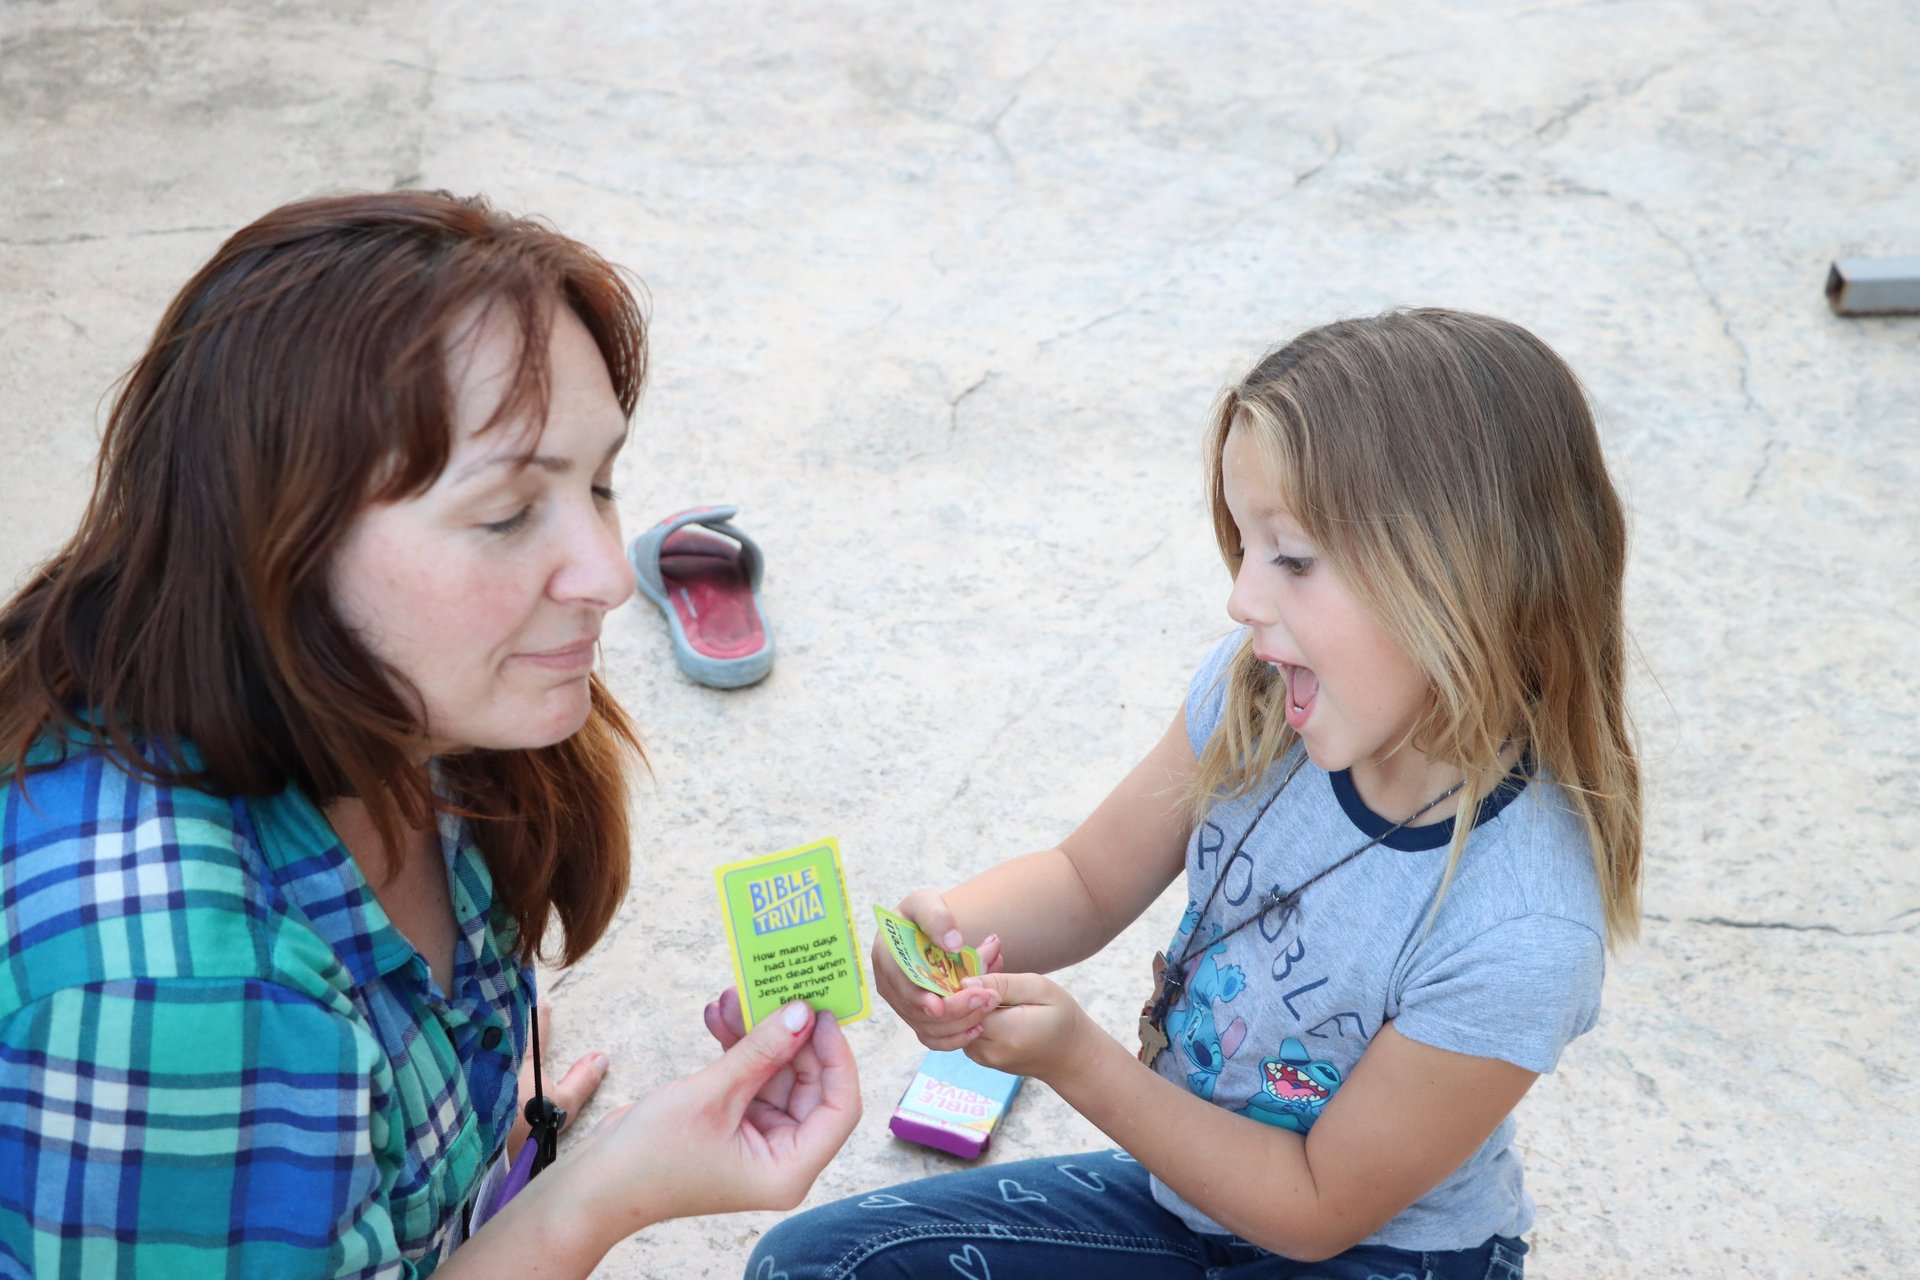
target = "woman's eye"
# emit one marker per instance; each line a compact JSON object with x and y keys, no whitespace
{"x":604,"y":492}
{"x":512,"y":523}
{"x":1295,"y":565}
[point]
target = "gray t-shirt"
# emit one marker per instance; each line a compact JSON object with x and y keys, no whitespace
{"x":1276,"y":1016}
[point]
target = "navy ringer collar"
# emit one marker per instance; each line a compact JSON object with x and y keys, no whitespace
{"x":1433,"y":835}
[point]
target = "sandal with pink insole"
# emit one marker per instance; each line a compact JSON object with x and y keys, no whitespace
{"x":704,"y":575}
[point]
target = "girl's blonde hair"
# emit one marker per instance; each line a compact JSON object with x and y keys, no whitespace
{"x":1447,"y":467}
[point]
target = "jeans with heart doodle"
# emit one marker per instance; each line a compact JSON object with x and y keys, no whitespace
{"x":1089,"y":1215}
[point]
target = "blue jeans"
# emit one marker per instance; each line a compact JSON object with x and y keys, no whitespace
{"x":1090,"y":1215}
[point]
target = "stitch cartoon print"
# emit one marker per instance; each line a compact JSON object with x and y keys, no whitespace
{"x":1195,"y":1026}
{"x":1294,"y":1088}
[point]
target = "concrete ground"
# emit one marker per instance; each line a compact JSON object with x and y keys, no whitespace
{"x":940,"y":293}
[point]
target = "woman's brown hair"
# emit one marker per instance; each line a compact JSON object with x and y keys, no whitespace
{"x":1447,"y":465}
{"x":298,"y":377}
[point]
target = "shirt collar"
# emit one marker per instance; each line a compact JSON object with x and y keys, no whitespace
{"x":1432,"y":835}
{"x":321,"y":878}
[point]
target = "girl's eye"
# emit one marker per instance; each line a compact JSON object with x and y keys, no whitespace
{"x":512,"y":523}
{"x":1295,"y":565}
{"x":604,"y":492}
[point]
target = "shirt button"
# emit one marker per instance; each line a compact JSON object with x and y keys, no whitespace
{"x":491,"y":1037}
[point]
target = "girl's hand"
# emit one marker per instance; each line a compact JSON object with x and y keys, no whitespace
{"x":572,"y":1092}
{"x":749,"y":1131}
{"x":1036,"y":1030}
{"x":941,"y":1022}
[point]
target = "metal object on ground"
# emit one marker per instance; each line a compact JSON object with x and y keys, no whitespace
{"x":1874,"y":286}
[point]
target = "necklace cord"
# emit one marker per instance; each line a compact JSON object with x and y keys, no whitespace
{"x":1173,"y":978}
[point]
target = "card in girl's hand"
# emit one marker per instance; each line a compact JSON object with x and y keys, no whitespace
{"x":790,"y":928}
{"x":921,"y":958}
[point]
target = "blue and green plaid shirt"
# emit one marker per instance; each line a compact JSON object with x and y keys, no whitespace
{"x":218,"y":1057}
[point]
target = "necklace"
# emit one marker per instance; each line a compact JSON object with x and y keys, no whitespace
{"x":1171,"y":976}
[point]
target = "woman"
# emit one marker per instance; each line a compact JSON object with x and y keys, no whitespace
{"x":303,"y":757}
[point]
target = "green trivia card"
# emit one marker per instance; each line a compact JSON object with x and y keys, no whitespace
{"x":790,"y":928}
{"x":924,"y":961}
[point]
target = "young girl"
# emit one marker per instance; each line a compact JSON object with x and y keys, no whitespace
{"x":1406,"y":801}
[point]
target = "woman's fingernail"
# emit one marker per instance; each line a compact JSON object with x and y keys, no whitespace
{"x":973,"y":1031}
{"x":601,"y":1062}
{"x":972,"y":982}
{"x":951,"y":939}
{"x":991,"y":939}
{"x":795,"y":1015}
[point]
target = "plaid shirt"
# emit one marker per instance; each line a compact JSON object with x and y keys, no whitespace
{"x":218,"y":1057}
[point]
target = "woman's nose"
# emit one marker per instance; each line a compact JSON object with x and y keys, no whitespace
{"x":595,"y":569}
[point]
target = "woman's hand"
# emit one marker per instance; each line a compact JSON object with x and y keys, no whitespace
{"x":725,"y":1022}
{"x":941,"y":1022}
{"x":749,"y":1131}
{"x":570,"y":1092}
{"x":1036,"y":1028}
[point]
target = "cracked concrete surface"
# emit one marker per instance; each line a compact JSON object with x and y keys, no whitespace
{"x":1072,"y":224}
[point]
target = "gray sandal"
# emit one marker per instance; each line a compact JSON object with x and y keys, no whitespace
{"x":704,"y":575}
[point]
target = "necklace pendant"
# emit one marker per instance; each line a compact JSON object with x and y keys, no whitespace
{"x":1152,"y":1038}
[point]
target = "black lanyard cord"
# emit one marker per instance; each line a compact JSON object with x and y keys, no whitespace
{"x":543,"y":1117}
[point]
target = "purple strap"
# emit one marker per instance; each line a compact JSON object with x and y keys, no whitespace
{"x":519,"y":1174}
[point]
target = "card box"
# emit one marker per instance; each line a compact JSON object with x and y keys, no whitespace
{"x":954,"y":1104}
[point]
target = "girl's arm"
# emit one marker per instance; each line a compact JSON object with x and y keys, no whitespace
{"x":1060,"y":905}
{"x":1406,"y":1117}
{"x":1048,"y":909}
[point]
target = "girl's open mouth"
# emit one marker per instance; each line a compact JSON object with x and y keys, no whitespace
{"x":1302,"y":688}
